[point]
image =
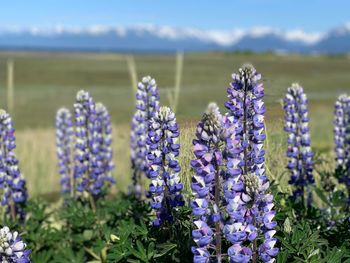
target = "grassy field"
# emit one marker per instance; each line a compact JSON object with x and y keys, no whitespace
{"x":44,"y":82}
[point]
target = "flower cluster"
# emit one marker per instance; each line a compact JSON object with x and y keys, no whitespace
{"x":342,"y":138}
{"x":12,"y":248}
{"x":163,"y":168}
{"x":249,"y":206}
{"x":147,"y":104}
{"x":64,"y":136}
{"x":11,"y":179}
{"x":299,"y":150}
{"x":93,"y":153}
{"x":206,"y":183}
{"x":106,"y":151}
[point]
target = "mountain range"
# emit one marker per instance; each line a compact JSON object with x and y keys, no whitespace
{"x":170,"y":39}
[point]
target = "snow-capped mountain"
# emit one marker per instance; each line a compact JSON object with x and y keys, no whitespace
{"x":170,"y":39}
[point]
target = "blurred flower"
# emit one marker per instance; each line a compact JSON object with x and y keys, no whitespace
{"x":342,"y":138}
{"x":299,"y":150}
{"x":163,"y":170}
{"x":248,"y":204}
{"x":12,"y":248}
{"x":93,"y":153}
{"x":147,"y":104}
{"x":106,"y":151}
{"x":64,"y":137}
{"x":11,"y":179}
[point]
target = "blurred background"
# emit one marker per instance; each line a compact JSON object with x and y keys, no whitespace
{"x":51,"y":49}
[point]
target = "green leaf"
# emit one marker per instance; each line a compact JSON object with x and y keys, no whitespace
{"x":164,"y":249}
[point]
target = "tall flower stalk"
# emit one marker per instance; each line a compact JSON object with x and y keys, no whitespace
{"x":92,"y":147}
{"x":299,"y":150}
{"x":207,"y":185}
{"x":64,"y":137}
{"x":342,"y":139}
{"x":12,"y":181}
{"x":163,"y":167}
{"x":147,"y":104}
{"x":249,"y":206}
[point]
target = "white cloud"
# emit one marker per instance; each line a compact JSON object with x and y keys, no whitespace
{"x":300,"y":35}
{"x":220,"y":37}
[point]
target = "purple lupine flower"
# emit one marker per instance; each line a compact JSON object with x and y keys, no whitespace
{"x":299,"y":150}
{"x":92,"y":146}
{"x":12,"y":247}
{"x":342,"y":138}
{"x":11,"y":179}
{"x":206,"y":184}
{"x":64,"y":137}
{"x":106,"y":150}
{"x":248,"y":205}
{"x":164,"y":168}
{"x":147,"y":104}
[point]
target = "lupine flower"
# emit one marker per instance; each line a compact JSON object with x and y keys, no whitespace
{"x":64,"y":137}
{"x":249,"y":207}
{"x":206,"y":183}
{"x":299,"y":150}
{"x":163,"y":170}
{"x":92,"y":147}
{"x":11,"y":179}
{"x":12,"y":247}
{"x":106,"y":150}
{"x":147,"y":104}
{"x":342,"y":138}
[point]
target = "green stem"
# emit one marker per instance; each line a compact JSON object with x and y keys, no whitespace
{"x":92,"y":203}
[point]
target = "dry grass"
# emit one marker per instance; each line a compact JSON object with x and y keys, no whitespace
{"x":36,"y":152}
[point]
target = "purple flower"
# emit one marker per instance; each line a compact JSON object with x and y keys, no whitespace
{"x":11,"y":179}
{"x":93,"y":152}
{"x":163,"y":165}
{"x":147,"y":104}
{"x":207,"y":180}
{"x":64,"y":137}
{"x":299,"y":150}
{"x":248,"y":205}
{"x":106,"y":151}
{"x":12,"y":248}
{"x":239,"y":254}
{"x":342,"y":138}
{"x":267,"y":250}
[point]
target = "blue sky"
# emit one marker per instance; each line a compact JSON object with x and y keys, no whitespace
{"x":310,"y":15}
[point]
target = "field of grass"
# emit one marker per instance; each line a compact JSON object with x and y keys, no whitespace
{"x":44,"y":82}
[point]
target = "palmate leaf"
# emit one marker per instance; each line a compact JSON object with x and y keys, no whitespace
{"x":140,"y":252}
{"x":42,"y":257}
{"x":164,"y":249}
